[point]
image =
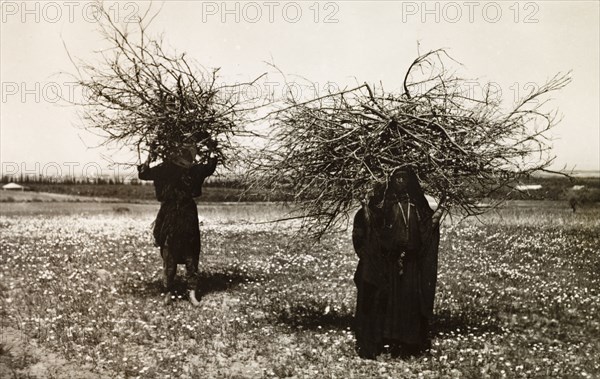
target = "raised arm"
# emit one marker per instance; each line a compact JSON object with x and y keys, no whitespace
{"x":199,"y":173}
{"x":210,"y":167}
{"x":145,"y":172}
{"x":203,"y":171}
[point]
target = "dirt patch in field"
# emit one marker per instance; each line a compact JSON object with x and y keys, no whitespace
{"x":22,"y":357}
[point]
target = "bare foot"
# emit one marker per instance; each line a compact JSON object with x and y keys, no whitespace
{"x":193,"y":299}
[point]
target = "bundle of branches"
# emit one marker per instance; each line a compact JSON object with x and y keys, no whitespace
{"x":328,"y":153}
{"x":142,"y":97}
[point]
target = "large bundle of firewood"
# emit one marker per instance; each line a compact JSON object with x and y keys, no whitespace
{"x":328,"y":153}
{"x":141,"y":96}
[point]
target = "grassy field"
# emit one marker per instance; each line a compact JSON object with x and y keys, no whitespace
{"x":80,"y":294}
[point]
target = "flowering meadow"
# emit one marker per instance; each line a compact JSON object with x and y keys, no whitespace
{"x":518,"y":296}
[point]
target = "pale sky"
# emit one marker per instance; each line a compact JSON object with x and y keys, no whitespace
{"x":513,"y":44}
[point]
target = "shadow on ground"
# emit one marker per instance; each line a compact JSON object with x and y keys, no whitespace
{"x":209,"y":282}
{"x":311,"y":318}
{"x":475,"y":323}
{"x":221,"y":281}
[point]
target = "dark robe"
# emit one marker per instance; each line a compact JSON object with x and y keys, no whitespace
{"x":176,"y":224}
{"x":397,"y":246}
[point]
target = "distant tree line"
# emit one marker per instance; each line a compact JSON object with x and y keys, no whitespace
{"x":217,"y":182}
{"x":41,"y":179}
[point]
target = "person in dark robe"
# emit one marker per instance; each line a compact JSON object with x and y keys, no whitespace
{"x":177,"y":181}
{"x":396,"y":237}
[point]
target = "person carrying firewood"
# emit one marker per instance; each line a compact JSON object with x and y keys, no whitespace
{"x":177,"y":180}
{"x":396,"y":237}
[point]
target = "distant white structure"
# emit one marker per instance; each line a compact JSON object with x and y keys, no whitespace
{"x":528,"y":187}
{"x":578,"y":188}
{"x":13,"y":187}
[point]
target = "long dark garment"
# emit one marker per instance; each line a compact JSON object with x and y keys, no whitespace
{"x":396,"y":275}
{"x":176,"y":229}
{"x":176,"y":225}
